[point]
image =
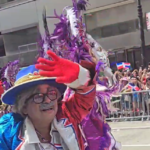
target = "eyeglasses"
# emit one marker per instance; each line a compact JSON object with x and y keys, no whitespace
{"x":40,"y":97}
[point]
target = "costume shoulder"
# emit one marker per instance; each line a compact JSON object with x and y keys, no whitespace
{"x":10,"y":125}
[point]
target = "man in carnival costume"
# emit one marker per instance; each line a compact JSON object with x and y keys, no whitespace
{"x":46,"y":122}
{"x":42,"y":118}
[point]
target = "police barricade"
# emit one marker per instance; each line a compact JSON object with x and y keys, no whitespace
{"x":130,"y":106}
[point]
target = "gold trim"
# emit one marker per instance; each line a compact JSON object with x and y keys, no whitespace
{"x":27,"y":78}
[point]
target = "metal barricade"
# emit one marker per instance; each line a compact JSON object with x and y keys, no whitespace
{"x":130,"y":106}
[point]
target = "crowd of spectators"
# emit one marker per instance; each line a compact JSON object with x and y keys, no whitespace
{"x":135,"y":95}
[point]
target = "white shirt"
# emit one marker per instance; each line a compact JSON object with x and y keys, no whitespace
{"x":47,"y":146}
{"x":32,"y":141}
{"x":62,"y":137}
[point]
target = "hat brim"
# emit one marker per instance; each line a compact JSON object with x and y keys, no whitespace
{"x":9,"y":97}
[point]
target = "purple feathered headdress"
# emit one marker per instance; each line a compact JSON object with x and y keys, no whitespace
{"x":82,"y":4}
{"x":9,"y":73}
{"x":69,"y":33}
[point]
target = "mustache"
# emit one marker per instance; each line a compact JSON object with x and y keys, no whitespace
{"x":44,"y":106}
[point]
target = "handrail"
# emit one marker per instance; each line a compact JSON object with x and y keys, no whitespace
{"x":133,"y":92}
{"x":27,"y":47}
{"x":27,"y":44}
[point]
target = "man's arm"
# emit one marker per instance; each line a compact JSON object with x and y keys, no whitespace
{"x":81,"y":102}
{"x":78,"y":77}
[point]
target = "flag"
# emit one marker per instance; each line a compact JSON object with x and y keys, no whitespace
{"x":127,"y":65}
{"x":120,"y":66}
{"x":130,"y":87}
{"x":136,"y":88}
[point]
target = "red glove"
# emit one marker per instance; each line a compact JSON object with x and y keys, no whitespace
{"x":64,"y":70}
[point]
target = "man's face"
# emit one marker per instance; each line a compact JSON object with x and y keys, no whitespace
{"x":148,"y":81}
{"x":46,"y":109}
{"x":134,"y":74}
{"x":126,"y":74}
{"x":148,"y":74}
{"x":134,"y":80}
{"x":124,"y":83}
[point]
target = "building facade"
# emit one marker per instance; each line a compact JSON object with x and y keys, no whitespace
{"x":20,"y":24}
{"x":113,"y":23}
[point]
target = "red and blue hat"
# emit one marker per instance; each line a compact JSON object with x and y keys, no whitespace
{"x":27,"y":78}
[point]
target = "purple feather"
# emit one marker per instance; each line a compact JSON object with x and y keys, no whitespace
{"x":105,"y":140}
{"x":100,"y":68}
{"x":67,"y":45}
{"x":101,"y":98}
{"x":81,"y":5}
{"x":96,"y":130}
{"x":10,"y":72}
{"x":61,"y":30}
{"x":40,"y":45}
{"x":6,"y":85}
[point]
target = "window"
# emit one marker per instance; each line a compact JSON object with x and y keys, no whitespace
{"x":123,"y":27}
{"x":132,"y":25}
{"x":107,"y":31}
{"x":30,"y":40}
{"x":112,"y":61}
{"x":130,"y":57}
{"x":90,"y":20}
{"x":95,"y":33}
{"x":20,"y":45}
{"x":21,"y":41}
{"x":114,"y":29}
{"x":2,"y":48}
{"x":119,"y":28}
{"x":137,"y":55}
{"x":121,"y":57}
{"x":5,"y":1}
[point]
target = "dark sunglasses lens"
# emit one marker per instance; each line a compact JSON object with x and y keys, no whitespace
{"x":52,"y":95}
{"x":38,"y":98}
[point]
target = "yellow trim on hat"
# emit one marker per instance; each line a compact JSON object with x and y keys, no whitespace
{"x":27,"y":78}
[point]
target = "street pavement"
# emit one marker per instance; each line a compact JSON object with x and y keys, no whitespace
{"x":132,"y":135}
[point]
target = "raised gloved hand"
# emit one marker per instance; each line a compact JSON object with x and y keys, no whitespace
{"x":64,"y":70}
